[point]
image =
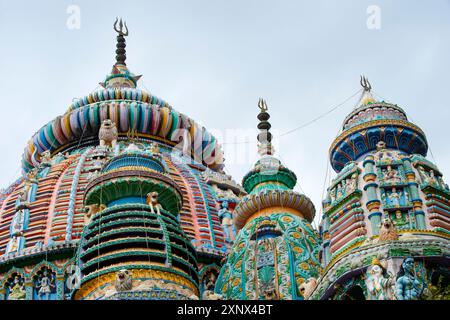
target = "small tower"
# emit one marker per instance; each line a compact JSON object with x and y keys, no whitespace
{"x":386,"y":208}
{"x":276,"y":250}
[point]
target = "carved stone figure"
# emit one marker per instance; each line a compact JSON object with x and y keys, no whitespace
{"x":226,"y":218}
{"x":394,"y":198}
{"x":152,"y":201}
{"x":388,"y":231}
{"x":17,"y":290}
{"x":13,"y":244}
{"x":391,"y":175}
{"x":408,"y":287}
{"x":124,"y":281}
{"x":378,"y":282}
{"x":45,"y":285}
{"x":422,"y":175}
{"x":307,"y":287}
{"x":432,"y":179}
{"x":46,"y":158}
{"x":339,"y":192}
{"x":108,"y":134}
{"x":17,"y":223}
{"x":92,"y":209}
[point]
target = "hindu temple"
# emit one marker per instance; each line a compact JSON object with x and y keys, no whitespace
{"x":122,"y":197}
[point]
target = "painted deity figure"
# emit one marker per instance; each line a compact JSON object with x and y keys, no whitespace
{"x":408,"y":287}
{"x":17,"y":223}
{"x":46,"y":158}
{"x":226,"y":218}
{"x":391,"y":175}
{"x":13,"y":245}
{"x":394,"y":198}
{"x":378,"y":282}
{"x":339,"y":192}
{"x":432,"y":179}
{"x":17,"y":290}
{"x":333,"y":195}
{"x":45,"y":285}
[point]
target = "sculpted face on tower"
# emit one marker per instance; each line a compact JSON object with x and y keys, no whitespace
{"x":123,"y":280}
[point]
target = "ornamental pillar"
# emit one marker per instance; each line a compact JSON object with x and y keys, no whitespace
{"x":28,"y":289}
{"x":373,"y":203}
{"x":414,"y":192}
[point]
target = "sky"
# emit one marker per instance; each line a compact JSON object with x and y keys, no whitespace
{"x":212,"y":60}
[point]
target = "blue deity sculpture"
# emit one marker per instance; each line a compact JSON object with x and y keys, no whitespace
{"x":226,"y":218}
{"x":408,"y":287}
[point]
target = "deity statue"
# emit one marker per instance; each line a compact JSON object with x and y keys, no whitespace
{"x":46,"y":158}
{"x":17,"y":290}
{"x":339,"y":193}
{"x":333,"y":195}
{"x":432,"y":179}
{"x":13,"y":244}
{"x":391,"y":175}
{"x":349,"y":186}
{"x":394,"y":198}
{"x":45,"y":285}
{"x":226,"y":218}
{"x":423,"y":175}
{"x":17,"y":223}
{"x":408,"y":287}
{"x":379,"y":284}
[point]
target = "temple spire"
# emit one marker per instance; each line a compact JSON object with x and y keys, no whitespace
{"x":264,"y":137}
{"x":122,"y":30}
{"x":120,"y":76}
{"x":366,"y":95}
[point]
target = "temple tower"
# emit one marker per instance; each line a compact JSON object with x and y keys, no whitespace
{"x":276,"y":250}
{"x":387,"y":204}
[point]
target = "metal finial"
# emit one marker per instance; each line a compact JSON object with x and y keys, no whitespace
{"x":262,"y":105}
{"x":121,"y":28}
{"x":365,"y":83}
{"x":264,"y":137}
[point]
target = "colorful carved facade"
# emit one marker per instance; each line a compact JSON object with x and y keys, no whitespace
{"x":123,"y":197}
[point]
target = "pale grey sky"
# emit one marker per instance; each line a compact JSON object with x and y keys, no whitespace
{"x":212,"y":60}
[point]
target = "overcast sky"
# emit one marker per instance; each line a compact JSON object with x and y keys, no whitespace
{"x":212,"y":60}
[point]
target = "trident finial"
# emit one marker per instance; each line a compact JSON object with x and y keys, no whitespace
{"x":262,"y":105}
{"x":121,"y":28}
{"x":365,"y":83}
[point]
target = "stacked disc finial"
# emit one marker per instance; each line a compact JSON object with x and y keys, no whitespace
{"x":121,"y":28}
{"x":264,"y":137}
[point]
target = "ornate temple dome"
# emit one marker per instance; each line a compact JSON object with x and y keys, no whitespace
{"x":373,"y":121}
{"x":132,"y":110}
{"x":109,"y":148}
